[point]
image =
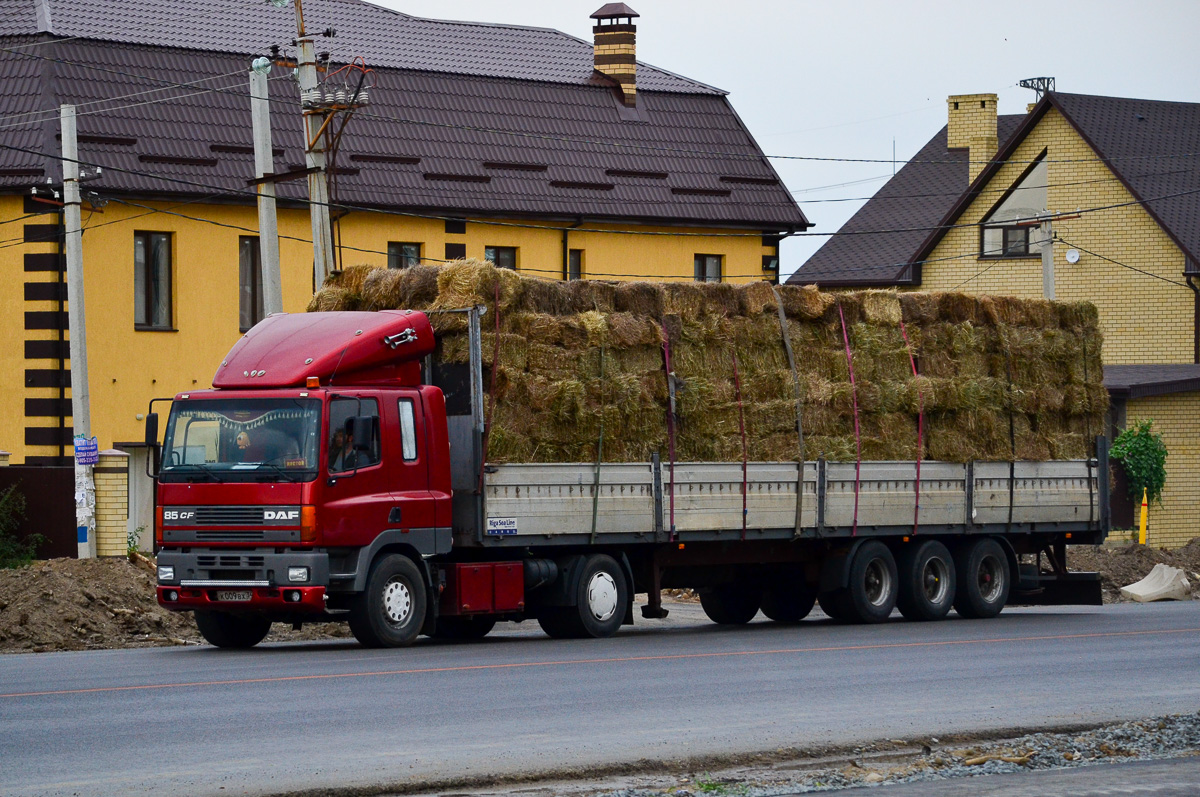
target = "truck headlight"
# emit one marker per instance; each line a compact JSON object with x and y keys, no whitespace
{"x":166,"y":572}
{"x":297,"y":574}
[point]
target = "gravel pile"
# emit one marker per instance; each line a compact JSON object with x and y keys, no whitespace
{"x":884,"y":763}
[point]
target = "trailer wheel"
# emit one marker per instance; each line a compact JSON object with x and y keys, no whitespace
{"x":601,"y":601}
{"x":871,"y":593}
{"x":231,"y":630}
{"x":464,"y":627}
{"x":983,"y":579}
{"x":926,"y":588}
{"x":788,"y":601}
{"x":833,"y":603}
{"x":730,"y":604}
{"x":390,"y":611}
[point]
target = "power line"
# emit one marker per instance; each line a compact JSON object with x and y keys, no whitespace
{"x":1123,"y":265}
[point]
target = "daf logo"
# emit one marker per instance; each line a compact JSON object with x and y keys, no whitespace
{"x":282,"y":514}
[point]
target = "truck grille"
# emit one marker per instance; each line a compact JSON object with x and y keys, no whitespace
{"x":239,"y":534}
{"x":208,"y":562}
{"x":229,"y":516}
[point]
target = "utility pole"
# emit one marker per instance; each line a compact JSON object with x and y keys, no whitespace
{"x":81,"y":415}
{"x":1047,"y":247}
{"x":264,"y":166}
{"x":315,"y":121}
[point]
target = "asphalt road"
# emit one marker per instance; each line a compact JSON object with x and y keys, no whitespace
{"x":284,"y":718}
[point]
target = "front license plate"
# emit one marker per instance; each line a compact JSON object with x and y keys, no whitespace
{"x":234,"y":595}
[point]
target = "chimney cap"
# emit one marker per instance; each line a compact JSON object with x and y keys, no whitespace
{"x":614,"y":10}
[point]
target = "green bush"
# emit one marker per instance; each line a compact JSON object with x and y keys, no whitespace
{"x":15,"y":552}
{"x":1143,"y":454}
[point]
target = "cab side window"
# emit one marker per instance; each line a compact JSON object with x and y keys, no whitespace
{"x":408,"y":430}
{"x":344,"y":454}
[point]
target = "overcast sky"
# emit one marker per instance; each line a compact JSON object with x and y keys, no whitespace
{"x":839,"y":79}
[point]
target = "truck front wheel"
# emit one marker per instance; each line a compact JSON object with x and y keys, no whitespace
{"x":230,"y":630}
{"x":390,"y":611}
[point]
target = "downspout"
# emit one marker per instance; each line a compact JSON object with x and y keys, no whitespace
{"x":1195,"y":318}
{"x":566,"y":248}
{"x":779,"y":252}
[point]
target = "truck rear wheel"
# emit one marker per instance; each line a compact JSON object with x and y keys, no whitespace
{"x":730,"y":604}
{"x":390,"y":611}
{"x":870,"y":594}
{"x":926,"y":588}
{"x":833,"y":603}
{"x":788,"y":601}
{"x":983,"y":579}
{"x":464,"y":627}
{"x":231,"y":630}
{"x":601,"y":600}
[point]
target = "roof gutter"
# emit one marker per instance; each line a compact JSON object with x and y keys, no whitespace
{"x":1195,"y":318}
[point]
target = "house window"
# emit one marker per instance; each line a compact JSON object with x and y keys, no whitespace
{"x":456,"y":226}
{"x":502,"y":256}
{"x":152,"y":280}
{"x":456,"y":251}
{"x":1011,"y":228}
{"x":575,"y":264}
{"x":250,"y":292}
{"x":708,"y":268}
{"x":402,"y":255}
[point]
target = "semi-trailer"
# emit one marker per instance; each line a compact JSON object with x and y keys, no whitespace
{"x":337,"y":471}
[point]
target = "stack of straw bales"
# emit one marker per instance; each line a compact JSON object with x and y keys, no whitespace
{"x":1000,"y":378}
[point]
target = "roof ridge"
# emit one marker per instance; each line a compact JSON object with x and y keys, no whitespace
{"x":1122,"y":99}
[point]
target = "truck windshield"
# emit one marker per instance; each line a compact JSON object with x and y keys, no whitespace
{"x":242,"y":440}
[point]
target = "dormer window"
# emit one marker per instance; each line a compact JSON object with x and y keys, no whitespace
{"x":1012,"y":228}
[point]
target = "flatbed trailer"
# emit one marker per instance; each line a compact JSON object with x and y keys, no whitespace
{"x":452,"y":549}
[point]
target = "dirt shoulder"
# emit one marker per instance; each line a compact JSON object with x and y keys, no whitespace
{"x":96,"y":604}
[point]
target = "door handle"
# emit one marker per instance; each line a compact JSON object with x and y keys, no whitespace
{"x":394,"y":515}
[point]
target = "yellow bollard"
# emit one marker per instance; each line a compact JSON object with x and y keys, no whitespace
{"x":1142,"y":524}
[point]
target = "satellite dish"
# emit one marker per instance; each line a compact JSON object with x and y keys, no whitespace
{"x":1072,"y":256}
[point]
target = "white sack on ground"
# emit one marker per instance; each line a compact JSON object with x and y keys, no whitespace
{"x":1165,"y":583}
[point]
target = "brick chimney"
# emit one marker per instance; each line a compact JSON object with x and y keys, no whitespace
{"x":972,"y":126}
{"x":615,"y":50}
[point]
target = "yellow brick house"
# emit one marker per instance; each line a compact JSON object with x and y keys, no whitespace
{"x":1080,"y":198}
{"x":559,"y":157}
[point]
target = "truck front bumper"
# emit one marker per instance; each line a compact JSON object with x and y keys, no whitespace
{"x":245,"y":580}
{"x":262,"y":599}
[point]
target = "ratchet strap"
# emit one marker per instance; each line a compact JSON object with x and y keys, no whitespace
{"x":912,"y":361}
{"x":791,"y":357}
{"x":857,"y":431}
{"x":737,"y":386}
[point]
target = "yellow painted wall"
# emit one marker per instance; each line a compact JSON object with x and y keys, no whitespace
{"x":1177,"y":418}
{"x":128,"y":367}
{"x":1145,"y":320}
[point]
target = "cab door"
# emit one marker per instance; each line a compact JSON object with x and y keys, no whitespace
{"x":415,"y":507}
{"x":357,"y":488}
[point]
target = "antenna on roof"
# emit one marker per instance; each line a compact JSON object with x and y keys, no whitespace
{"x":1039,"y":84}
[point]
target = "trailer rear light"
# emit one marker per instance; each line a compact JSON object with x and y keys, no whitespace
{"x":308,"y":524}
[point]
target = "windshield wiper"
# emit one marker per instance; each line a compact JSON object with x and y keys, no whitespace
{"x":202,"y":468}
{"x":288,"y":476}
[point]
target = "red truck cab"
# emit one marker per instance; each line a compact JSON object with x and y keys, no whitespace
{"x":317,"y":447}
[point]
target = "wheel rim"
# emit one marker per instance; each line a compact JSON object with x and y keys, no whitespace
{"x":935,"y":580}
{"x":990,"y":578}
{"x":397,"y":601}
{"x":877,"y":582}
{"x":602,"y":596}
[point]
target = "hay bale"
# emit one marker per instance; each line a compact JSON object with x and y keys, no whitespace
{"x":597,"y":295}
{"x":640,"y":298}
{"x":720,"y":298}
{"x":331,"y":299}
{"x":881,"y":308}
{"x":627,"y":330}
{"x":918,"y":308}
{"x":958,"y":308}
{"x":684,"y":299}
{"x":757,"y":298}
{"x":804,"y":302}
{"x":549,"y":296}
{"x":466,"y":283}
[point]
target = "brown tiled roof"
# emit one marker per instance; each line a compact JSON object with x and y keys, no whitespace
{"x":384,"y":38}
{"x":549,"y":138}
{"x":911,"y":203}
{"x":1153,"y":147}
{"x":1140,"y":381}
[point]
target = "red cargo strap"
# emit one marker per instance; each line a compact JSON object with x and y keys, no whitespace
{"x":920,"y":429}
{"x":857,"y":433}
{"x":487,"y":421}
{"x":737,"y":386}
{"x":670,"y":425}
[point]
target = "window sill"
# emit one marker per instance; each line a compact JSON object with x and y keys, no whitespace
{"x":144,"y":328}
{"x":1010,"y":257}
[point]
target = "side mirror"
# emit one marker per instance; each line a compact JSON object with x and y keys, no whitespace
{"x":151,"y":429}
{"x":363,"y":428}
